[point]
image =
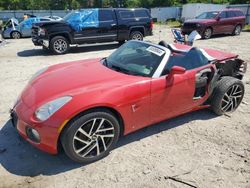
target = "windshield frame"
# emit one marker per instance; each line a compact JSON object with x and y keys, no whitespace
{"x":158,"y":70}
{"x":212,"y":12}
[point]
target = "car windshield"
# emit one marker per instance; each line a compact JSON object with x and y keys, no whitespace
{"x":77,"y":15}
{"x":135,"y":58}
{"x":208,"y":15}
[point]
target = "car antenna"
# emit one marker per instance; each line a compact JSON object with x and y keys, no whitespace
{"x":160,"y":23}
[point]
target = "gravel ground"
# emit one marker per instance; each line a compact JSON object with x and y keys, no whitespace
{"x":199,"y":148}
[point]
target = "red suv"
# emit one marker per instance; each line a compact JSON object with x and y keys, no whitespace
{"x":216,"y":22}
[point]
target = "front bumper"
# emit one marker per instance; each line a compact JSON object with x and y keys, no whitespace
{"x":188,"y":30}
{"x":48,"y":135}
{"x":40,"y":42}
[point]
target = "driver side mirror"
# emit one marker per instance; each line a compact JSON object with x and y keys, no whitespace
{"x":177,"y":70}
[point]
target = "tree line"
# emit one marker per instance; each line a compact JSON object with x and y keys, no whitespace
{"x":76,"y":4}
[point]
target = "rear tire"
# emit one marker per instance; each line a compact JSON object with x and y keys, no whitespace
{"x":15,"y":35}
{"x":237,"y":30}
{"x":207,"y":33}
{"x":227,"y":95}
{"x":90,"y":137}
{"x":59,"y":45}
{"x":136,"y":35}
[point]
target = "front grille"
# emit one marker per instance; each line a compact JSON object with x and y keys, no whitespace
{"x":34,"y":31}
{"x":189,"y":25}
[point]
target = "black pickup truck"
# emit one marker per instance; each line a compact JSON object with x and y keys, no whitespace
{"x":93,"y":26}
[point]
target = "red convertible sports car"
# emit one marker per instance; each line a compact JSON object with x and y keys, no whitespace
{"x":85,"y":106}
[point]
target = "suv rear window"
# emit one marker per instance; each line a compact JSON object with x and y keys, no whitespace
{"x":141,"y":14}
{"x":231,"y":14}
{"x":127,"y":14}
{"x":238,"y":13}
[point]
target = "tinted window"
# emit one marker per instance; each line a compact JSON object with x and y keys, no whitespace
{"x":141,"y":14}
{"x":127,"y":14}
{"x":223,"y":15}
{"x":105,"y":15}
{"x":239,"y":13}
{"x":231,"y":14}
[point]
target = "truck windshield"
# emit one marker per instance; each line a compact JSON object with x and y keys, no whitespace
{"x":208,"y":15}
{"x":135,"y":58}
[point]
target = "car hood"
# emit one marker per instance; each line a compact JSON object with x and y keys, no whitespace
{"x":73,"y":78}
{"x":199,"y":21}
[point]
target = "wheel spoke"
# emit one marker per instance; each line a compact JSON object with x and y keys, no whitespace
{"x":105,"y":129}
{"x":84,"y":133}
{"x":84,"y":147}
{"x":92,"y":126}
{"x":100,"y":125}
{"x":81,"y":140}
{"x":88,"y":150}
{"x":97,"y":148}
{"x":103,"y":143}
{"x":107,"y":136}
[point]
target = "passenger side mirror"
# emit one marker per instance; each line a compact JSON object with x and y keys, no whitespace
{"x":177,"y":70}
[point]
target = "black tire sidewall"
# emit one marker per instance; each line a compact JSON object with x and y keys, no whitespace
{"x":69,"y":132}
{"x":52,"y":41}
{"x":221,"y":88}
{"x":134,"y":33}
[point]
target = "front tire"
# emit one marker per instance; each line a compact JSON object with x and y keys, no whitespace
{"x":90,"y":137}
{"x":136,"y":35}
{"x":207,"y":33}
{"x":59,"y":45}
{"x":15,"y":35}
{"x":227,"y":95}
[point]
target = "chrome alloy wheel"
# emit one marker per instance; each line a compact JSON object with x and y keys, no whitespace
{"x":137,"y":36}
{"x":60,"y":46}
{"x":208,"y":33}
{"x":16,"y":35}
{"x":93,"y":137}
{"x":232,"y":98}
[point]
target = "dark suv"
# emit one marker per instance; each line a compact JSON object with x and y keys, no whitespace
{"x":216,"y":22}
{"x":92,"y":26}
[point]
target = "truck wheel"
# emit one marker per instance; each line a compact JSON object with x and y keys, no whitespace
{"x":227,"y":95}
{"x":207,"y":33}
{"x":237,"y":30}
{"x":59,"y":45}
{"x":136,"y":35}
{"x":91,"y":136}
{"x":15,"y":35}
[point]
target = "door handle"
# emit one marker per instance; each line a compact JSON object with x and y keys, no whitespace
{"x":113,"y":25}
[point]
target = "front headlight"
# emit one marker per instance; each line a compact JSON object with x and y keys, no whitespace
{"x":48,"y":109}
{"x":41,"y":32}
{"x":198,"y":25}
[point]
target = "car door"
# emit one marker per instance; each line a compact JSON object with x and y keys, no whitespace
{"x":172,"y":95}
{"x":221,"y":24}
{"x":107,"y":30}
{"x":86,"y":25}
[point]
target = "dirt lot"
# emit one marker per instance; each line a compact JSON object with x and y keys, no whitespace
{"x":198,"y":148}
